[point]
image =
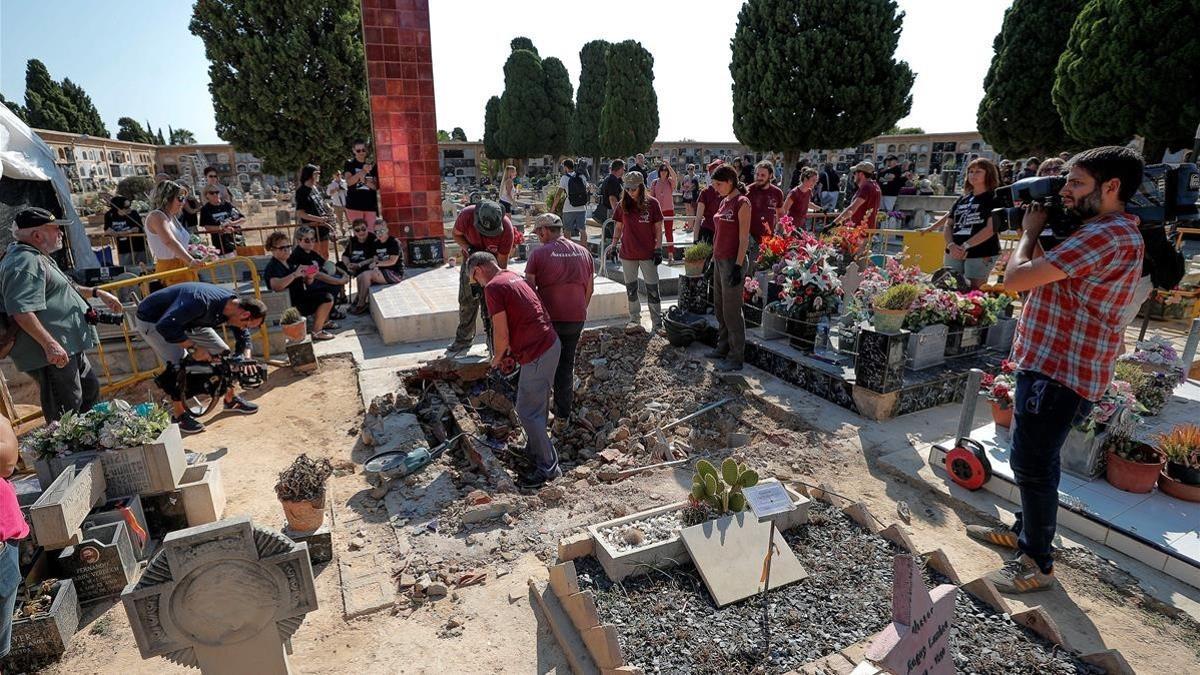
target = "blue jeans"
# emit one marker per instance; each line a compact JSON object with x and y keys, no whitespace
{"x":1044,"y":410}
{"x":10,"y":579}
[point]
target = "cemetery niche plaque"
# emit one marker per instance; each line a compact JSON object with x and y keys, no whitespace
{"x":223,"y":597}
{"x":426,"y":252}
{"x":102,"y":564}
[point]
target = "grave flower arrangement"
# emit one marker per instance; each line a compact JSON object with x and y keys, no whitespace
{"x":874,"y":280}
{"x":201,"y":251}
{"x":810,"y":283}
{"x":848,"y":241}
{"x":771,"y":251}
{"x":1119,"y":405}
{"x":1158,"y":354}
{"x":1000,"y":387}
{"x":932,"y":306}
{"x":752,"y":291}
{"x":1151,"y":388}
{"x":107,"y":426}
{"x":301,"y":492}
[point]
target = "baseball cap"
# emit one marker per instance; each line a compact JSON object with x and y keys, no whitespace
{"x":32,"y":217}
{"x":489,"y":218}
{"x":865,"y":167}
{"x":633,"y":179}
{"x":120,"y":202}
{"x":550,"y":220}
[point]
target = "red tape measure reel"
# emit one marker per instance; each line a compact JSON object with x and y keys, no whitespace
{"x":968,"y":465}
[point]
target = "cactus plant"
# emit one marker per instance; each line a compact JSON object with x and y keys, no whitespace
{"x":722,"y":491}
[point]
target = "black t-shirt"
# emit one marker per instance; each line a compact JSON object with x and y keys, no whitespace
{"x":891,"y":180}
{"x":302,"y":258}
{"x":357,"y":252}
{"x":747,"y":174}
{"x":190,"y":220}
{"x":829,"y":181}
{"x":130,"y":223}
{"x":387,"y":249}
{"x":309,"y":200}
{"x":217,"y":216}
{"x":278,"y":270}
{"x":971,"y":214}
{"x":360,"y":197}
{"x":611,"y":187}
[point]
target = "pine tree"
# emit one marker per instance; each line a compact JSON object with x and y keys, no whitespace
{"x":1016,"y":115}
{"x":16,"y":108}
{"x":491,"y":130}
{"x":561,"y":107}
{"x":128,"y":129}
{"x":779,"y":101}
{"x":1130,"y":68}
{"x":629,"y":118}
{"x":458,"y":134}
{"x":302,"y":73}
{"x":87,"y":119}
{"x":46,"y":105}
{"x":589,"y":98}
{"x":524,"y":123}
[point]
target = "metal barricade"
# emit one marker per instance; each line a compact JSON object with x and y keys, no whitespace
{"x":123,"y":287}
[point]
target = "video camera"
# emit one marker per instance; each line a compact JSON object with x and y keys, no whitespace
{"x":1042,"y":190}
{"x":94,"y":317}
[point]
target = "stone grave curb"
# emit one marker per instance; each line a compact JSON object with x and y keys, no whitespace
{"x":1035,"y":618}
{"x":579,"y":608}
{"x":571,"y":642}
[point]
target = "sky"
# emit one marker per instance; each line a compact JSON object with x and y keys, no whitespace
{"x":161,"y":74}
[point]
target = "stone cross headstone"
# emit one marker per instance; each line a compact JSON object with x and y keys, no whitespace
{"x":918,"y":640}
{"x":224,"y":597}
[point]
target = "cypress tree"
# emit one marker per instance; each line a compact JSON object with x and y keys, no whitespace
{"x":629,"y":118}
{"x":524,"y":120}
{"x":128,"y":129}
{"x":458,"y":134}
{"x":87,"y":118}
{"x":1130,"y":68}
{"x":561,"y":107}
{"x":1016,"y":114}
{"x":589,"y":99}
{"x":46,"y":105}
{"x":862,"y":90}
{"x":523,"y":43}
{"x":300,"y":71}
{"x":16,"y":108}
{"x":491,"y":130}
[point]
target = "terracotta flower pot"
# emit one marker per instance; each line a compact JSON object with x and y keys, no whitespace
{"x":1178,"y":489}
{"x":693,"y":268}
{"x":1182,"y":473}
{"x":294,"y":332}
{"x":1001,"y":416}
{"x":304,"y":516}
{"x":1132,"y":476}
{"x":889,"y":320}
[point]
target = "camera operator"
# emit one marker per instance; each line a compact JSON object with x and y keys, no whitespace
{"x":1066,"y":345}
{"x":53,"y":316}
{"x":185,"y":316}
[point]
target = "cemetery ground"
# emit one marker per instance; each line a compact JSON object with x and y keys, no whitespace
{"x":423,"y":527}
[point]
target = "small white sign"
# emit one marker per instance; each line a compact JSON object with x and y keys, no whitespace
{"x":768,"y":499}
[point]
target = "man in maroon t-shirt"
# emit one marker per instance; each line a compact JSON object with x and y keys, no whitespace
{"x":478,"y":228}
{"x":796,"y":204}
{"x":707,"y":206}
{"x":561,"y":272}
{"x":864,"y":206}
{"x":765,"y":200}
{"x":523,"y":328}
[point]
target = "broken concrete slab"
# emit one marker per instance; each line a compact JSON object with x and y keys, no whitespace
{"x":569,"y":639}
{"x":575,"y":546}
{"x":564,"y":580}
{"x":482,"y":513}
{"x":57,"y":514}
{"x":729,"y":552}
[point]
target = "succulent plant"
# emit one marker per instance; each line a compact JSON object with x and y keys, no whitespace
{"x":1181,"y":445}
{"x":722,"y":491}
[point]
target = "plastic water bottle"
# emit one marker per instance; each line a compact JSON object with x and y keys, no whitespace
{"x":822,"y":340}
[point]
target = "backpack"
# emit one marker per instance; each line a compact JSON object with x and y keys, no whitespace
{"x":1164,"y":263}
{"x":577,"y":193}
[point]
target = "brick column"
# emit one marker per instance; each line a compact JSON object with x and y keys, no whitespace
{"x":400,"y":83}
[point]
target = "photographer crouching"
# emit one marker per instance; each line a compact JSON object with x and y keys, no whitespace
{"x":49,"y":327}
{"x":184,"y":317}
{"x":1067,"y":340}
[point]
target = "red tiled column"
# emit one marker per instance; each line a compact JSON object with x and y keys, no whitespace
{"x":400,"y":83}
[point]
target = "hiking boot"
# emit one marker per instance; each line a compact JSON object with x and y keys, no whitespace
{"x":238,"y":404}
{"x":997,"y":536}
{"x":188,"y":424}
{"x":1021,"y":575}
{"x":715,"y":354}
{"x":728,"y":366}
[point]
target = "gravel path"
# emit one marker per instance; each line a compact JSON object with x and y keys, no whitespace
{"x":667,"y":623}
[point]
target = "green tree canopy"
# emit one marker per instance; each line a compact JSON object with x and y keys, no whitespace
{"x":898,"y":131}
{"x":47,"y":107}
{"x":523,"y":43}
{"x":524,"y":108}
{"x":561,"y":107}
{"x":778,"y":44}
{"x":129,"y":129}
{"x":1016,"y":114}
{"x":1130,"y":68}
{"x":17,"y":109}
{"x":443,"y":135}
{"x":589,"y":99}
{"x":491,"y":129}
{"x":182,"y":137}
{"x":289,"y":87}
{"x":629,"y":118}
{"x":458,"y":134}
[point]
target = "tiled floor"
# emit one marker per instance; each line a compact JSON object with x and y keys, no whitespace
{"x":1172,"y":524}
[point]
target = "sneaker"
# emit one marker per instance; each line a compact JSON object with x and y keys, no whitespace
{"x":188,"y":424}
{"x":241,"y":405}
{"x":715,"y":354}
{"x":1021,"y":575}
{"x":998,"y":536}
{"x":728,"y":366}
{"x":456,"y":347}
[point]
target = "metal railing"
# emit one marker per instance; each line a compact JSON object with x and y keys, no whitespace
{"x":109,"y":382}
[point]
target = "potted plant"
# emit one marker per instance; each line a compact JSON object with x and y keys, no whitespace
{"x":1151,"y":387}
{"x":1133,"y":466}
{"x":301,"y":491}
{"x":927,"y":318}
{"x":1181,"y":446}
{"x":293,"y":324}
{"x":999,"y":390}
{"x":891,"y":307}
{"x":752,"y":302}
{"x":694,"y":258}
{"x":1115,"y":414}
{"x":721,"y":490}
{"x":811,"y":290}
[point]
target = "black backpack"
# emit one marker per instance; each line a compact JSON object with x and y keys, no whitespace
{"x":1164,"y":263}
{"x":577,"y":193}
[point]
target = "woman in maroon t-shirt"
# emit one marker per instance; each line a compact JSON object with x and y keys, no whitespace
{"x":796,"y":204}
{"x":731,"y":241}
{"x":638,"y":237}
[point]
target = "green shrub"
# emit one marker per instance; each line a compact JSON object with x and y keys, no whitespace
{"x":900,"y":296}
{"x":697,"y":252}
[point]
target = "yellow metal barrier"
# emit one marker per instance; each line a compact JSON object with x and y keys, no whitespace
{"x":123,"y":288}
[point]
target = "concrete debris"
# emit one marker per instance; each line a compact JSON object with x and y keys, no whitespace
{"x":551,"y":495}
{"x":485,"y":512}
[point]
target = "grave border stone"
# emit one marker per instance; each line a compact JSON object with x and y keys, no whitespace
{"x":57,"y":514}
{"x":152,"y":467}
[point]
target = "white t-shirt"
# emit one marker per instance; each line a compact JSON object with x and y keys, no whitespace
{"x":337,"y":192}
{"x":567,"y":206}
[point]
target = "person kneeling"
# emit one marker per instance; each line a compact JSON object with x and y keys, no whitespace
{"x":184,"y":317}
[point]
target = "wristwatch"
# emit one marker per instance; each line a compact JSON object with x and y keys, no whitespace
{"x":965,"y":247}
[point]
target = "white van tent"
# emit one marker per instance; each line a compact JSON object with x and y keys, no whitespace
{"x":29,"y":177}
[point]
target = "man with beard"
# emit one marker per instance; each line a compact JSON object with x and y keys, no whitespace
{"x":1066,"y":344}
{"x":765,"y":200}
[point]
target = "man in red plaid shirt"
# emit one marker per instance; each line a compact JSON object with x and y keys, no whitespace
{"x":1066,"y":346}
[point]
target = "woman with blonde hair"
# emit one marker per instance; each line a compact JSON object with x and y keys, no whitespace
{"x":972,"y":244}
{"x":167,"y":237}
{"x":508,"y":189}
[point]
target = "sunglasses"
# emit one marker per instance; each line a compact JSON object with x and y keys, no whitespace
{"x":308,"y":240}
{"x":360,"y":229}
{"x":181,"y":198}
{"x":359,"y":151}
{"x":285,"y":247}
